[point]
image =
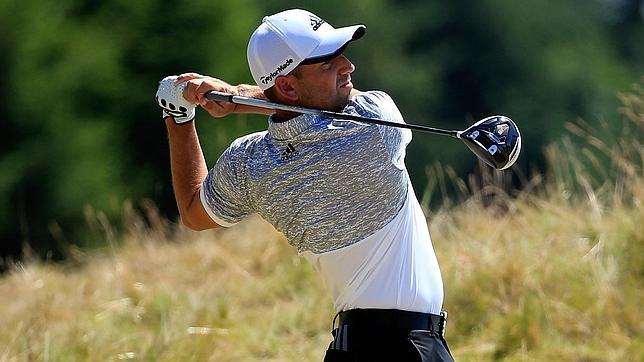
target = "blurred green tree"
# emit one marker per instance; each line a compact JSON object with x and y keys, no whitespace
{"x":452,"y":63}
{"x":80,"y":126}
{"x":78,"y":77}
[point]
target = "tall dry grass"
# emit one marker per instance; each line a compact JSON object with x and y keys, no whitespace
{"x":226,"y":295}
{"x":555,"y":272}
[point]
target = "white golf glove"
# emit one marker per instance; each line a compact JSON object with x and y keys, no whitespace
{"x":170,"y":98}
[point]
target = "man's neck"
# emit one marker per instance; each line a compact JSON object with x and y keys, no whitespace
{"x":282,"y":116}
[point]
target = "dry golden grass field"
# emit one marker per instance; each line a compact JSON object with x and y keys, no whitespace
{"x":553,"y":273}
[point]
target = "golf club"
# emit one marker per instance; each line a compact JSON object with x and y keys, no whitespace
{"x":495,"y":140}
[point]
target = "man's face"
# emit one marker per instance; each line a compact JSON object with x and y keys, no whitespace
{"x":325,"y":85}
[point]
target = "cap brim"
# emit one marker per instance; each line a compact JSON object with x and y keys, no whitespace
{"x":334,"y":43}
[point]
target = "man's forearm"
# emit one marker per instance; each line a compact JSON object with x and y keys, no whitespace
{"x":187,"y":163}
{"x":251,"y":91}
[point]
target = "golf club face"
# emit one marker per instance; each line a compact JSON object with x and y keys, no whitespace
{"x":495,"y":140}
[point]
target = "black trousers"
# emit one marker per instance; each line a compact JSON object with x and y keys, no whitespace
{"x":379,"y":343}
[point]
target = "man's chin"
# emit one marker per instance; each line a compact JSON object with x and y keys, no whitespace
{"x":341,"y":104}
{"x":337,"y":104}
{"x":344,"y":96}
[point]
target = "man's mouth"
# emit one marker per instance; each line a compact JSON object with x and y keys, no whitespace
{"x":347,"y":83}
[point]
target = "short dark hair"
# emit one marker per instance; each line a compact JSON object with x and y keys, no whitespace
{"x":271,"y":94}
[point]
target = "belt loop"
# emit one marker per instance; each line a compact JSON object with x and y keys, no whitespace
{"x":443,"y":323}
{"x":334,"y":318}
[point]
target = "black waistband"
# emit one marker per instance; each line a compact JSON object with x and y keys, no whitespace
{"x":394,"y":319}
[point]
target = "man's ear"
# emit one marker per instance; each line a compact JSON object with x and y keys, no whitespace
{"x":285,"y":90}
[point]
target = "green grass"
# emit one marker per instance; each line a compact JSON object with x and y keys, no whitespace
{"x":553,"y":273}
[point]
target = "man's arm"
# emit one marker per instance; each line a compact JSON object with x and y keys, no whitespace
{"x":189,"y":170}
{"x":188,"y":165}
{"x":197,"y":86}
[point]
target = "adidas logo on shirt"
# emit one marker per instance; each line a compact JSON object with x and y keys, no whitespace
{"x":289,"y":153}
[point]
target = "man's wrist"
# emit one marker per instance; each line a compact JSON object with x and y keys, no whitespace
{"x":170,"y":122}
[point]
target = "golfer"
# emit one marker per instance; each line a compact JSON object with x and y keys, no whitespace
{"x":338,"y":190}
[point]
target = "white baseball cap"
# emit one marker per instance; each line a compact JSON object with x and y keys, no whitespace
{"x":292,"y":37}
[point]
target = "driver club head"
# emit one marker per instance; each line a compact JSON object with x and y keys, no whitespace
{"x":495,"y":140}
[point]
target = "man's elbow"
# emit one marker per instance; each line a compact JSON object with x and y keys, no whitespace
{"x":192,"y":225}
{"x":194,"y":216}
{"x":197,"y":225}
{"x":187,"y":223}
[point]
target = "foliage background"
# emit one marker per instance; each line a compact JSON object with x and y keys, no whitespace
{"x":84,"y":166}
{"x":81,"y":132}
{"x":554,"y":273}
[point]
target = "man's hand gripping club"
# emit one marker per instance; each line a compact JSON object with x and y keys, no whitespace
{"x":178,"y":96}
{"x":170,"y":98}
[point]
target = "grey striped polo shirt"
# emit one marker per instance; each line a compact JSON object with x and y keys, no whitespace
{"x":324,"y":183}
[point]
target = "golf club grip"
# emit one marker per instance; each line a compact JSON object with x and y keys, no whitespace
{"x":219,"y":96}
{"x":261,"y":103}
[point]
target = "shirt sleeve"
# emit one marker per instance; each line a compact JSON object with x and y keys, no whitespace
{"x":380,"y":105}
{"x":223,"y":192}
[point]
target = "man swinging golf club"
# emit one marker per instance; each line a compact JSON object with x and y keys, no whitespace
{"x":337,"y":189}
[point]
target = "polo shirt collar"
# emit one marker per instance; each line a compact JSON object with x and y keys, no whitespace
{"x":293,"y":127}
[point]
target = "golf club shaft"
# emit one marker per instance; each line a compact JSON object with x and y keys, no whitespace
{"x":260,"y":103}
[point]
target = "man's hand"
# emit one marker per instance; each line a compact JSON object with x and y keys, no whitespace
{"x":170,"y":98}
{"x":196,"y":87}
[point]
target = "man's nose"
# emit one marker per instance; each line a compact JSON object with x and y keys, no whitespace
{"x":345,"y":66}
